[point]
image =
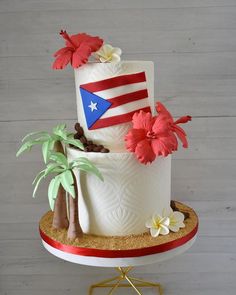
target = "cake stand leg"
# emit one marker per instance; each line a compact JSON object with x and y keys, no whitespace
{"x":149,"y":284}
{"x":116,"y":282}
{"x":103,"y":284}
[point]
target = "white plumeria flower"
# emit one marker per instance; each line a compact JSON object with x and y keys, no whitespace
{"x":107,"y":53}
{"x":176,"y":219}
{"x":158,"y":225}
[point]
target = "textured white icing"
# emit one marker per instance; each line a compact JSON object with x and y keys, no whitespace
{"x":113,"y":136}
{"x":128,"y":197}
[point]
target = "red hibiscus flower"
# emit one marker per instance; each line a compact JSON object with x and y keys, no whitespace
{"x":77,"y":51}
{"x":164,"y":113}
{"x":150,"y":137}
{"x":156,"y":136}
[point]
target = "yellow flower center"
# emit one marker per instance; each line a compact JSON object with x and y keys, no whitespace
{"x":157,"y":223}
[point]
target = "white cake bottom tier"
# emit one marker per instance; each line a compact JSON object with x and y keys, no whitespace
{"x":130,"y":194}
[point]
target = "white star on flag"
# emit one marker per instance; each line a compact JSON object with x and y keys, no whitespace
{"x":93,"y":106}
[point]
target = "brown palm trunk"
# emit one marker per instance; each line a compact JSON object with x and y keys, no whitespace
{"x":74,"y":230}
{"x":60,"y":219}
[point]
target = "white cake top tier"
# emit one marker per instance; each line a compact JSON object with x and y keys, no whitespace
{"x":112,"y":137}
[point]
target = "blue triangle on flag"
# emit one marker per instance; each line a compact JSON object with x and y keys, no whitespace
{"x":94,"y":106}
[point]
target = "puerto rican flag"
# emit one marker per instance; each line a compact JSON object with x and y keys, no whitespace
{"x":114,"y":101}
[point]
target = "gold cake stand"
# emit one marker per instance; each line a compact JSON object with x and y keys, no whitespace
{"x":116,"y":282}
{"x":121,"y":253}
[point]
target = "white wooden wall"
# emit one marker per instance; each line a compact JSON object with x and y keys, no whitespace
{"x":193,"y":45}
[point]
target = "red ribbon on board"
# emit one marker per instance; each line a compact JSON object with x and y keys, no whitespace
{"x":119,"y":253}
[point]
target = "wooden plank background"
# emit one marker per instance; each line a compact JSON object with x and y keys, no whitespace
{"x":193,"y":45}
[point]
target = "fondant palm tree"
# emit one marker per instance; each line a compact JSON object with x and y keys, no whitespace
{"x":54,"y":142}
{"x":65,"y":177}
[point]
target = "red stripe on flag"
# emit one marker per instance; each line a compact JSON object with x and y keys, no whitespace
{"x":114,"y":82}
{"x":106,"y":122}
{"x":129,"y":97}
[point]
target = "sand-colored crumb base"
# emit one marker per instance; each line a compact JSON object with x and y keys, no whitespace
{"x":116,"y":242}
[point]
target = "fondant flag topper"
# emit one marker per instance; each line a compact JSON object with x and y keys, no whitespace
{"x":114,"y":101}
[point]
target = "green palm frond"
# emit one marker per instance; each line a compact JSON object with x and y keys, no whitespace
{"x":83,"y":160}
{"x":60,"y":131}
{"x":41,"y":134}
{"x":59,"y":127}
{"x":37,"y":181}
{"x":74,"y":142}
{"x":47,"y":147}
{"x":66,"y":137}
{"x":53,"y":168}
{"x":38,"y":176}
{"x":59,"y":158}
{"x":26,"y":146}
{"x":70,"y":135}
{"x":50,"y":169}
{"x":92,"y":170}
{"x":67,"y":182}
{"x":53,"y":191}
{"x":85,"y":165}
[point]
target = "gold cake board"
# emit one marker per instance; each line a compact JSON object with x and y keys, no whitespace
{"x":122,"y":253}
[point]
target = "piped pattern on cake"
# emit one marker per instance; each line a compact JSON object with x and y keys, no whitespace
{"x":110,"y":135}
{"x":125,"y":200}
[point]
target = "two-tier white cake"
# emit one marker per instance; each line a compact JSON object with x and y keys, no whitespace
{"x":111,"y":179}
{"x":131,"y":192}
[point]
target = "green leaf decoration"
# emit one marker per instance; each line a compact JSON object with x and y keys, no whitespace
{"x":25,"y":147}
{"x":61,"y":135}
{"x":59,"y":169}
{"x":92,"y":170}
{"x":60,"y":131}
{"x":39,"y":177}
{"x":59,"y":158}
{"x":70,"y":135}
{"x":75,"y":142}
{"x":39,"y":133}
{"x":67,"y":182}
{"x":59,"y":127}
{"x":88,"y":167}
{"x":28,"y":145}
{"x":53,"y":191}
{"x":83,"y":160}
{"x":46,"y":148}
{"x":53,"y":168}
{"x":67,"y":175}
